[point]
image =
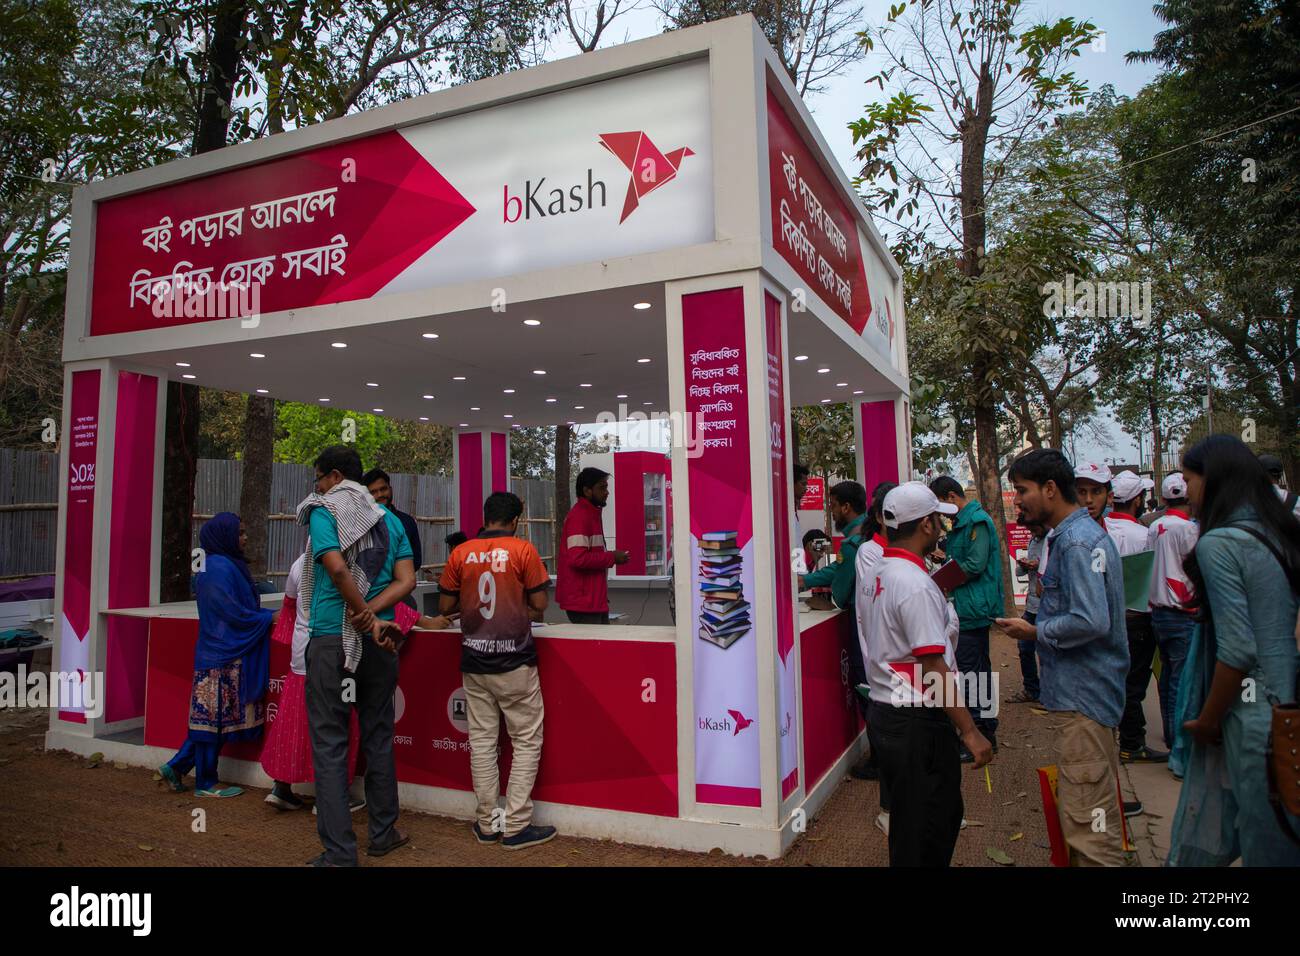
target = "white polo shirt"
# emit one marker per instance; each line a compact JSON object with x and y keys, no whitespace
{"x":1172,"y":537}
{"x":869,"y":556}
{"x":1129,"y":534}
{"x":906,"y":618}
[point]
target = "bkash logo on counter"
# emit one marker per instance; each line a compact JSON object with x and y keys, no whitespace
{"x":650,"y":169}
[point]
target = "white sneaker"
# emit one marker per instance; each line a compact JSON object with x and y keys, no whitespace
{"x":882,"y":823}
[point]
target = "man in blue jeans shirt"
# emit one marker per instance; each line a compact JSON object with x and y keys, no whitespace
{"x":1083,"y":655}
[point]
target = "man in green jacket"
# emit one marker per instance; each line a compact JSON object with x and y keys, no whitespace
{"x":973,"y":544}
{"x":848,"y":511}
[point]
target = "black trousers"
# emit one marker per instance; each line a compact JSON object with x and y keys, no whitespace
{"x":588,"y":617}
{"x":874,"y":740}
{"x":921,"y":766}
{"x":330,"y":700}
{"x":1141,"y":651}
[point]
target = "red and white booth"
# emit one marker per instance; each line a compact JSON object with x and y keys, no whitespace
{"x":660,"y":220}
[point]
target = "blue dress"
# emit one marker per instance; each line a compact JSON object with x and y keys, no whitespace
{"x":1223,"y":810}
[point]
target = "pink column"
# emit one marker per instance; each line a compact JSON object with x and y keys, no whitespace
{"x":131,"y":536}
{"x":882,"y":455}
{"x":482,"y":466}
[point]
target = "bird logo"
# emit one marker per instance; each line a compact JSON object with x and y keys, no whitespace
{"x":741,"y":721}
{"x":649,"y":167}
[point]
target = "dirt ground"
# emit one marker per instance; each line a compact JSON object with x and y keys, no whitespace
{"x":57,"y":809}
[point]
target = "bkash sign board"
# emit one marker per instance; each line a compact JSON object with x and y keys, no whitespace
{"x":611,"y":169}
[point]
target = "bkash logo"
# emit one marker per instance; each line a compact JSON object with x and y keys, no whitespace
{"x":736,"y":724}
{"x":649,"y":167}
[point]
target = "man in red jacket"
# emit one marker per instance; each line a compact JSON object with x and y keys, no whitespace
{"x":581,"y":588}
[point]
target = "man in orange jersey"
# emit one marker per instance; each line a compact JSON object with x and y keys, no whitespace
{"x":498,"y":583}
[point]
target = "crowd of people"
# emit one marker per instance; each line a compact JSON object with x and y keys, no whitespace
{"x":347,"y":610}
{"x":1211,"y":603}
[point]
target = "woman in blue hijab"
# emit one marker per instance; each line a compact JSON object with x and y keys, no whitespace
{"x":231,"y":659}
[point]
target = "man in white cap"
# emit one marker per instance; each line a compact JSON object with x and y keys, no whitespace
{"x":911,"y":631}
{"x":1130,"y":537}
{"x":1092,"y":485}
{"x":1172,"y":537}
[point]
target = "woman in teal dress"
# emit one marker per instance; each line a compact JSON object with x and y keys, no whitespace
{"x":1244,"y":659}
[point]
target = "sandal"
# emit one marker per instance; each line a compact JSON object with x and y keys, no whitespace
{"x":222,"y":792}
{"x":399,"y":839}
{"x":171,"y":779}
{"x":1022,"y":697}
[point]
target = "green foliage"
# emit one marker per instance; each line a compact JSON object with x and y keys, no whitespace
{"x":306,"y":430}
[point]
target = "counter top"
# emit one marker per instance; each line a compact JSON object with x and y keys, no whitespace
{"x":189,"y":611}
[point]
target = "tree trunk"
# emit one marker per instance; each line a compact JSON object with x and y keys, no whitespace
{"x":183,"y":400}
{"x":1157,"y":446}
{"x":255,"y":480}
{"x":563,"y":482}
{"x":179,"y":465}
{"x":988,"y":485}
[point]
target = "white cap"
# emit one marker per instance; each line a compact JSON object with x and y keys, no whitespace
{"x":1173,"y":486}
{"x":910,"y":501}
{"x":1098,"y":473}
{"x":1127,"y":485}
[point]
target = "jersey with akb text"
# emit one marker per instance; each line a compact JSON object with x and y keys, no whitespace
{"x":493,"y":574}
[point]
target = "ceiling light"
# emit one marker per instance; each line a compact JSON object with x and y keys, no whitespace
{"x":429,"y":335}
{"x":256,"y":355}
{"x":801,"y":358}
{"x":426,"y":396}
{"x":507,"y":416}
{"x":424,"y":418}
{"x":463,"y":425}
{"x":376,"y":409}
{"x":372,"y":384}
{"x":508,"y":391}
{"x":858,"y":392}
{"x":338,"y":345}
{"x":620,"y":396}
{"x":647,"y":403}
{"x":841,"y":384}
{"x":584,"y":385}
{"x":475,"y":408}
{"x":825,"y":400}
{"x":261,"y":391}
{"x":182,"y":364}
{"x":532,"y":321}
{"x":550,"y":399}
{"x":187,"y":376}
{"x":642,"y":361}
{"x":539,"y":371}
{"x":323,"y":399}
{"x":822,"y":371}
{"x":458,"y":378}
{"x":641,"y":305}
{"x":578,"y":408}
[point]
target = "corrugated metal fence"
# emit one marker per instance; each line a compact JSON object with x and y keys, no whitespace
{"x":29,"y":496}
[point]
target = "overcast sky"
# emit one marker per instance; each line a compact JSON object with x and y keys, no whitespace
{"x":1128,"y":25}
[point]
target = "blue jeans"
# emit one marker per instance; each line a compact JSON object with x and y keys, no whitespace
{"x":973,"y":658}
{"x":1029,"y":659}
{"x":1173,"y":631}
{"x":202,"y":759}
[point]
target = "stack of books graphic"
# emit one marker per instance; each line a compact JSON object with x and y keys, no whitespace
{"x":724,"y":618}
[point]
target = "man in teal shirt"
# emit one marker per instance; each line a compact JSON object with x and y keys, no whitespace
{"x":332,"y":691}
{"x":848,"y":511}
{"x":973,"y":544}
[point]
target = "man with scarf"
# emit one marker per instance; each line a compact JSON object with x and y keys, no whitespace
{"x":358,"y":566}
{"x":231,"y":659}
